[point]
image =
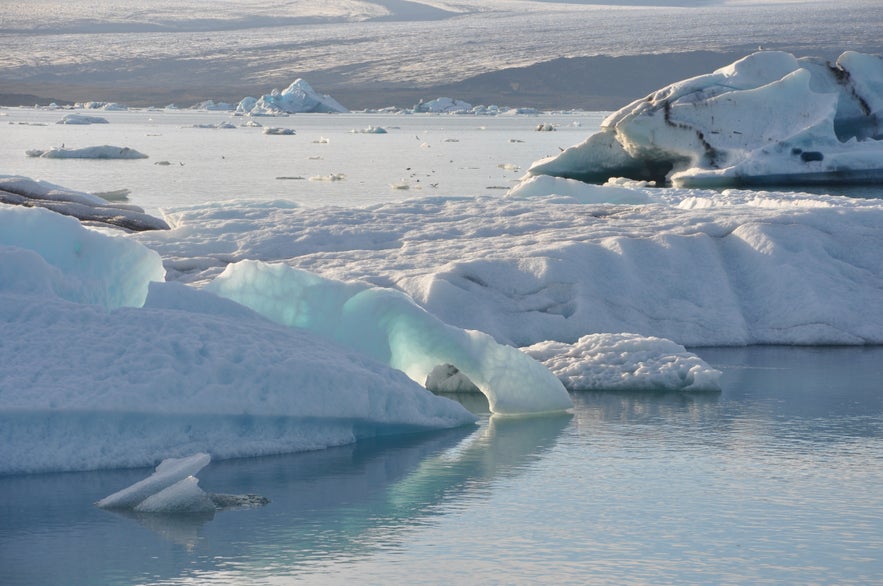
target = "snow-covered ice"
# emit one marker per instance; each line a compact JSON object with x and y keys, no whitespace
{"x":699,"y":267}
{"x":625,"y":362}
{"x":95,"y":152}
{"x":82,"y":119}
{"x":767,"y":119}
{"x":99,"y":373}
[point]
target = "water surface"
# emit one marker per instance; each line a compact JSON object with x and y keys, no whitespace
{"x":774,"y":480}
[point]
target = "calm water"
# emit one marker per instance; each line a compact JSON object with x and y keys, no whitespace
{"x":775,"y":480}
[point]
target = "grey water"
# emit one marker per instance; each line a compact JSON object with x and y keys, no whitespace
{"x":775,"y":480}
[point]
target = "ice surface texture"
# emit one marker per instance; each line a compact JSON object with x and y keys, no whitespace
{"x":389,"y":327}
{"x":92,"y":379}
{"x":89,"y":208}
{"x":767,"y":119}
{"x":693,"y":266}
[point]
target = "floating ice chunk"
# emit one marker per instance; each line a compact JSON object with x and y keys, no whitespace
{"x":330,"y":177}
{"x":279,"y":131}
{"x":82,"y":119}
{"x":767,"y":119}
{"x":168,"y":473}
{"x":370,"y":130}
{"x":444,"y":106}
{"x":625,"y":362}
{"x":183,"y":497}
{"x":388,"y":326}
{"x":96,"y":152}
{"x":299,"y":97}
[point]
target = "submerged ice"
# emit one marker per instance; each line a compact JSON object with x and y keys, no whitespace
{"x":767,"y":119}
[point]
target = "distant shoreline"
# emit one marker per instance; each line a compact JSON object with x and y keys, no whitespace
{"x":588,"y":83}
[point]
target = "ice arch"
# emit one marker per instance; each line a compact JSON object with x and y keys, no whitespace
{"x":388,"y":326}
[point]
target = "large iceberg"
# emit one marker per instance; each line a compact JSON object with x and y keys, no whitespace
{"x":299,"y":97}
{"x":699,"y":267}
{"x":103,"y":366}
{"x":767,"y":119}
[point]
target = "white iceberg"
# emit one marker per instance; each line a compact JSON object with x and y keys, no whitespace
{"x":701,"y":268}
{"x":444,"y":106}
{"x":299,"y":97}
{"x":276,"y":131}
{"x":95,"y":152}
{"x":168,"y":473}
{"x":173,"y":489}
{"x":767,"y":119}
{"x":369,"y":130}
{"x":110,"y":368}
{"x":625,"y":362}
{"x":82,"y":119}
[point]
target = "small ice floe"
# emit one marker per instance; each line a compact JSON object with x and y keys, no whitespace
{"x":513,"y":140}
{"x":545,"y":127}
{"x":253,"y":124}
{"x":509,"y":166}
{"x":370,"y":130}
{"x":329,"y":177}
{"x":82,"y":119}
{"x":95,"y":152}
{"x":321,"y":140}
{"x":219,"y":125}
{"x":279,"y":131}
{"x":401,"y":185}
{"x":625,"y":362}
{"x":174,"y":490}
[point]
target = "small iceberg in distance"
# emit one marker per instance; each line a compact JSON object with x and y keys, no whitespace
{"x":96,"y":152}
{"x":174,"y":489}
{"x":768,"y":119}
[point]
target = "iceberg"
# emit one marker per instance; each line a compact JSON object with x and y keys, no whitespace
{"x":169,"y":472}
{"x":625,"y":362}
{"x":443,"y":106}
{"x":82,"y":119}
{"x":104,"y":365}
{"x":297,"y":98}
{"x":173,"y":489}
{"x":389,"y":327}
{"x":698,"y":267}
{"x":767,"y":119}
{"x":96,"y":152}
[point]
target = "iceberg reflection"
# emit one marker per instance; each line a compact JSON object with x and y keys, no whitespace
{"x":333,"y":504}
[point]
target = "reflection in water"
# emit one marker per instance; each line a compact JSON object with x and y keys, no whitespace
{"x":331,"y":504}
{"x":774,"y":480}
